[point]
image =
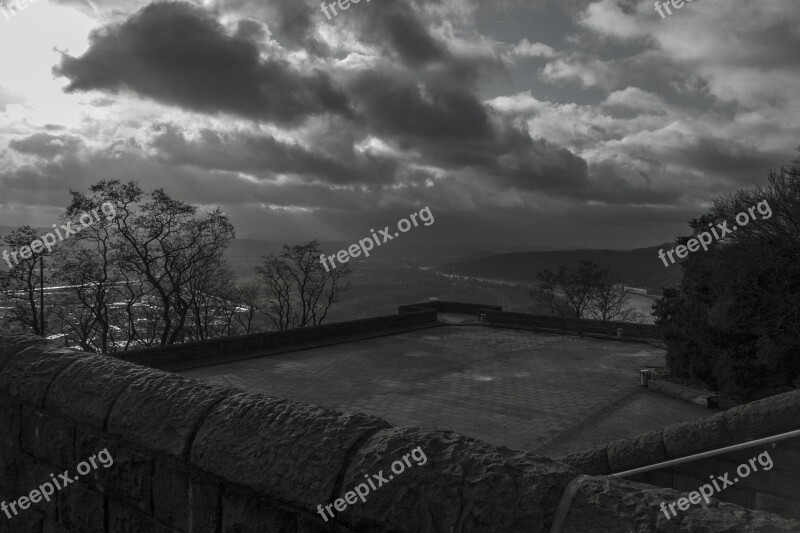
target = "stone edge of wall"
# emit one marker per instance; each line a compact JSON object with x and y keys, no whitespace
{"x":220,"y":441}
{"x":758,"y":419}
{"x":196,"y":351}
{"x":580,"y":325}
{"x":442,"y":306}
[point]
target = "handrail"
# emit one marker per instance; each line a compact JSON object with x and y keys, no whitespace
{"x":710,"y":453}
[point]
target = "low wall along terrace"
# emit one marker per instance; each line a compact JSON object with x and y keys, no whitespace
{"x":776,"y":490}
{"x":575,"y":325}
{"x":191,"y":457}
{"x":227,"y":349}
{"x":180,"y":356}
{"x":450,"y":307}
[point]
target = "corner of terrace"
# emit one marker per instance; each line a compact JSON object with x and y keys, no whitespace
{"x":512,"y":380}
{"x":463,"y":382}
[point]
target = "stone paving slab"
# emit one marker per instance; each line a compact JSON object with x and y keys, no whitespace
{"x":519,"y":389}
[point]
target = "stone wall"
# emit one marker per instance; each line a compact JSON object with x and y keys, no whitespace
{"x":191,"y":457}
{"x":451,"y":307}
{"x":226,"y":349}
{"x":577,"y":325}
{"x":775,"y":491}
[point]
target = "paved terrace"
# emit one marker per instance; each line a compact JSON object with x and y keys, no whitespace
{"x":546,"y":393}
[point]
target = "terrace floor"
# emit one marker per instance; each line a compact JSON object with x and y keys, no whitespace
{"x":545,"y":393}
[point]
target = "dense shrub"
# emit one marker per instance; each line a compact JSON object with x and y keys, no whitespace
{"x":734,"y":322}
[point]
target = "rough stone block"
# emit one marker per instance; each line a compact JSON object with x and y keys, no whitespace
{"x":86,"y":390}
{"x":129,"y":479}
{"x":771,"y":480}
{"x":28,"y":521}
{"x":315,"y":524}
{"x":775,"y":482}
{"x":659,"y":478}
{"x":687,"y":483}
{"x":743,"y":456}
{"x":785,"y":457}
{"x":287,"y":450}
{"x":642,"y":450}
{"x":122,"y":519}
{"x":48,"y":438}
{"x":7,"y":457}
{"x":464,"y":485}
{"x":10,"y":426}
{"x":82,"y":509}
{"x":786,"y":507}
{"x":9,"y":421}
{"x":161,"y":411}
{"x":793,"y":444}
{"x":49,"y":525}
{"x":607,"y":504}
{"x":594,"y":461}
{"x":12,"y":344}
{"x":245,"y":512}
{"x":185,"y":500}
{"x":28,"y":474}
{"x":28,"y":374}
{"x":701,"y":468}
{"x":5,"y":496}
{"x":696,"y":436}
{"x":743,"y":497}
{"x":776,"y":414}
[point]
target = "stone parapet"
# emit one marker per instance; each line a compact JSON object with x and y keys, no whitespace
{"x":191,"y":457}
{"x":776,"y":490}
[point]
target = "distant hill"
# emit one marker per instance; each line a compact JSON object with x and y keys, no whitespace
{"x":428,"y":253}
{"x":251,"y":249}
{"x":637,"y":268}
{"x":7,"y":230}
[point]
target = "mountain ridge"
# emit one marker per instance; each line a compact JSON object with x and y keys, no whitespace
{"x":640,"y":267}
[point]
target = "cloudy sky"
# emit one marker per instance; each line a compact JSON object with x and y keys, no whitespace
{"x":565,"y":123}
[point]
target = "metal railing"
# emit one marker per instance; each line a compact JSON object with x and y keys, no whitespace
{"x":572,"y":488}
{"x":710,"y":453}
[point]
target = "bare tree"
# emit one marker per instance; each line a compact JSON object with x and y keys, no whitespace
{"x":87,"y":266}
{"x":141,"y":322}
{"x":567,"y":292}
{"x":610,"y":301}
{"x":150,"y":272}
{"x":300,"y":292}
{"x":166,"y":243}
{"x":211,"y":291}
{"x":588,"y":291}
{"x":156,"y":255}
{"x":22,"y":286}
{"x":247,"y":297}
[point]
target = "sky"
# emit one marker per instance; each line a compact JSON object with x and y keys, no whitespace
{"x":541,"y":123}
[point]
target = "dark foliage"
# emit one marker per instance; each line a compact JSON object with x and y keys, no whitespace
{"x":734,"y":323}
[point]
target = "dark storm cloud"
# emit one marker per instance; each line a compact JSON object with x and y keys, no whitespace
{"x":736,"y":162}
{"x":178,"y":53}
{"x":46,"y":145}
{"x":427,"y":104}
{"x":617,"y":186}
{"x":536,"y":164}
{"x":265,"y":156}
{"x":403,"y":30}
{"x":291,"y":22}
{"x":451,"y":128}
{"x":401,"y":106}
{"x":400,"y":29}
{"x":295,"y":26}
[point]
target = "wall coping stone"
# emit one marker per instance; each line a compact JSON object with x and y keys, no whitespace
{"x":762,"y":418}
{"x":234,"y":348}
{"x":295,"y":456}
